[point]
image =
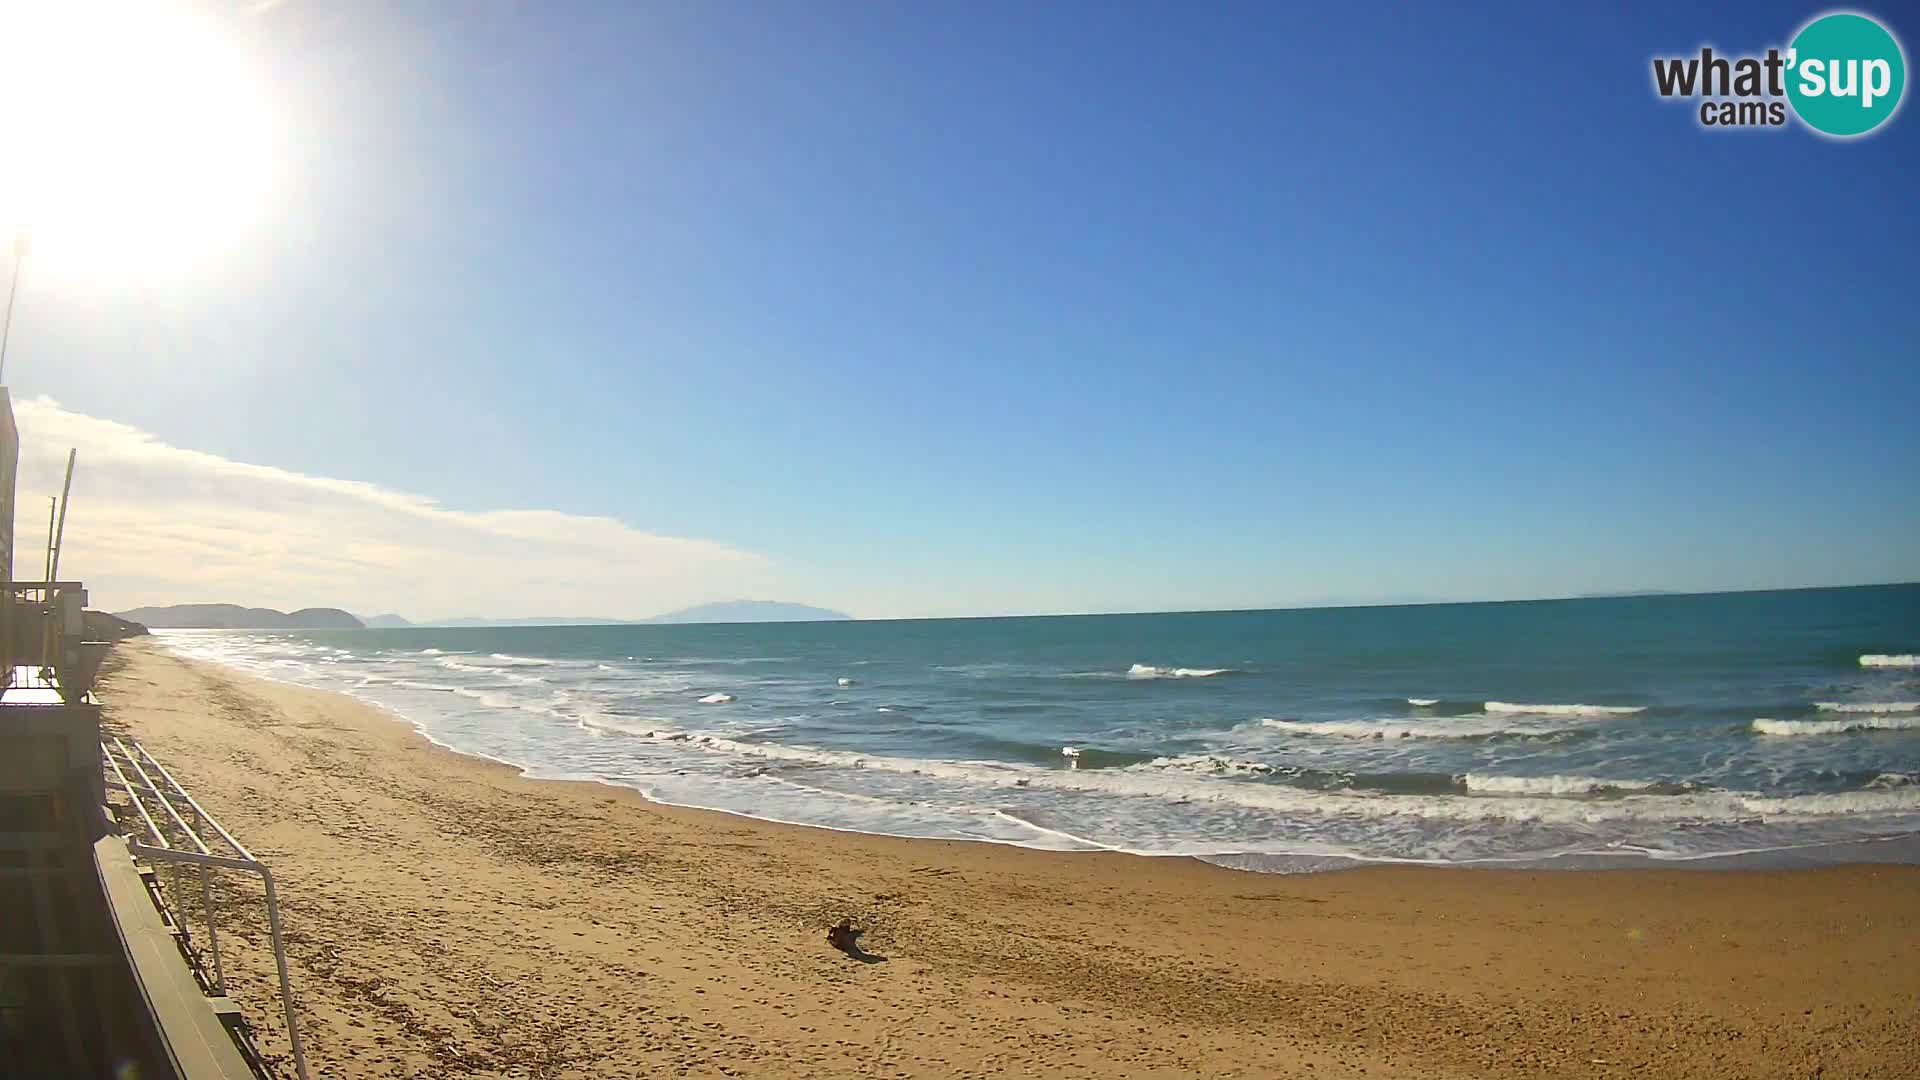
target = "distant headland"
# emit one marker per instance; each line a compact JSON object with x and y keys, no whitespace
{"x":235,"y":617}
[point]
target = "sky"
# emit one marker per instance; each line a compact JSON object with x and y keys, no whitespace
{"x":974,"y":308}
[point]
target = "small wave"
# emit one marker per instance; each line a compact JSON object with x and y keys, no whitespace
{"x":843,"y":682}
{"x":509,"y":660}
{"x":1423,"y":702}
{"x":1558,"y":785}
{"x":408,"y":684}
{"x":1887,"y":780}
{"x":716,"y":699}
{"x":1452,"y":727}
{"x":1884,"y":660}
{"x":1564,"y":710}
{"x":1148,"y":671}
{"x":1764,"y":726}
{"x":431,"y":652}
{"x":1868,"y":706}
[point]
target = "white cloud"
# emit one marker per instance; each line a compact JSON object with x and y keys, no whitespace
{"x":153,"y":523}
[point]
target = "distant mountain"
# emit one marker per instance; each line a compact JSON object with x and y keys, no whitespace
{"x":542,"y":620}
{"x":385,"y":621}
{"x":736,"y":611}
{"x":235,"y":617}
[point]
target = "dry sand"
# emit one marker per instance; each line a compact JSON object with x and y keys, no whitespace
{"x":449,"y":918}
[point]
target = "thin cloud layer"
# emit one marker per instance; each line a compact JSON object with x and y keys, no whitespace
{"x":153,"y":523}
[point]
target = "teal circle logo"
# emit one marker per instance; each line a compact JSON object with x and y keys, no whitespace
{"x":1845,"y":74}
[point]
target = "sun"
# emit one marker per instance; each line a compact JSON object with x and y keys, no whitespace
{"x":139,"y":141}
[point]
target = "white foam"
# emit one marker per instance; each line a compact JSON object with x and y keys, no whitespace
{"x":1551,"y":785}
{"x":1563,"y":710}
{"x":1423,"y":702}
{"x":1868,"y":706}
{"x":1884,"y":660}
{"x":843,"y":682}
{"x":716,"y":699}
{"x":1709,"y":806}
{"x":1209,"y":765}
{"x":429,"y":652}
{"x":493,"y":700}
{"x":1764,"y":726}
{"x":1148,"y":671}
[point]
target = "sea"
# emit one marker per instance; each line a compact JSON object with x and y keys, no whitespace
{"x":1660,"y":729}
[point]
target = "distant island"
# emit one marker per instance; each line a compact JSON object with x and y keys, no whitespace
{"x":750,"y":611}
{"x":235,"y":617}
{"x":728,"y":611}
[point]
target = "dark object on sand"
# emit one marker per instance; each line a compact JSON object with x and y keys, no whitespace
{"x":844,"y":936}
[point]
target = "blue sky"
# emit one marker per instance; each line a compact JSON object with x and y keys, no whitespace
{"x":975,"y":308}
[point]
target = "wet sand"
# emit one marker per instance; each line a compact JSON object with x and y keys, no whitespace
{"x":447,"y":917}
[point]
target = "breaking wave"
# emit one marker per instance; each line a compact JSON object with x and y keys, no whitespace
{"x":1868,"y":706}
{"x":1148,"y":671}
{"x":1836,"y":727}
{"x":1561,"y":785}
{"x":1564,"y":710}
{"x":1884,"y":660}
{"x":1452,"y":727}
{"x":1169,"y":785}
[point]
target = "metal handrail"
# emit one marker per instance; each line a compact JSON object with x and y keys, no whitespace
{"x":162,"y":850}
{"x":206,"y":884}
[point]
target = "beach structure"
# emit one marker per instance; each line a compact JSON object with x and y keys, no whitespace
{"x":108,"y":866}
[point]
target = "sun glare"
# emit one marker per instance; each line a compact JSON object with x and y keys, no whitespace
{"x":139,"y":141}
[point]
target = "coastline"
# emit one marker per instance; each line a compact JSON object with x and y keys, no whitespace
{"x":448,"y":916}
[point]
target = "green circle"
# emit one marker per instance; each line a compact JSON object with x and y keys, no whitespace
{"x":1846,"y":74}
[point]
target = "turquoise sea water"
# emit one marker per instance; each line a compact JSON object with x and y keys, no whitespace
{"x":1671,"y":727}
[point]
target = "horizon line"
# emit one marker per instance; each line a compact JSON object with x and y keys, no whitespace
{"x":520,"y":620}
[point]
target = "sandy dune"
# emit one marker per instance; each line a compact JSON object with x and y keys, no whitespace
{"x":448,"y":918}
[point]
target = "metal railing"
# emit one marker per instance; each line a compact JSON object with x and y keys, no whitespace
{"x":165,"y":796}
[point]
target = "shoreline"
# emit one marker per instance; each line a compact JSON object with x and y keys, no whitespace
{"x":1902,"y":849}
{"x":450,"y":916}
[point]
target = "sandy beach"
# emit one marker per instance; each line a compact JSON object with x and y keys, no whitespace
{"x":447,"y":917}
